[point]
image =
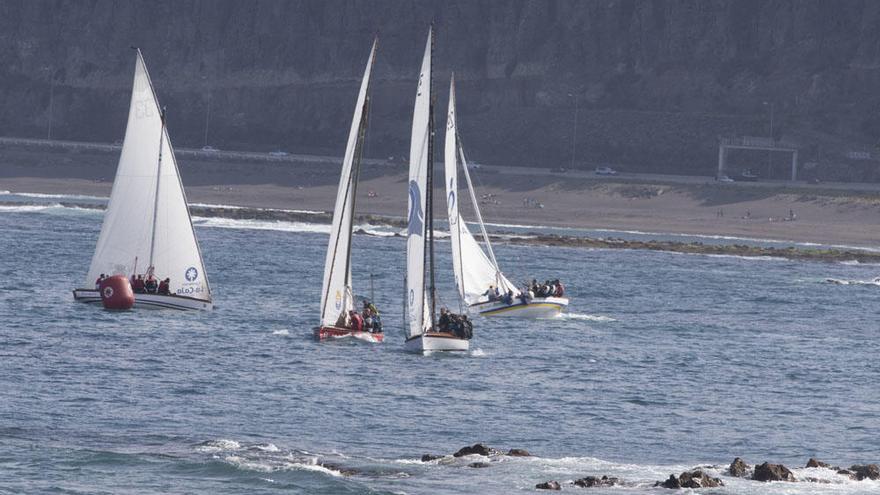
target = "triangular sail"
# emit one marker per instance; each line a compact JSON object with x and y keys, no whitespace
{"x":147,"y":217}
{"x":474,"y":271}
{"x":337,"y":297}
{"x":418,"y":315}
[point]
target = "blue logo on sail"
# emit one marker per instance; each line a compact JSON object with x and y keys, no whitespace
{"x":453,"y":219}
{"x":191,"y":274}
{"x":416,"y":219}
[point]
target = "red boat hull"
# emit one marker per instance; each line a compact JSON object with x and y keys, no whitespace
{"x":326,"y":333}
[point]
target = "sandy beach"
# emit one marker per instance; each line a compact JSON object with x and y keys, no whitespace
{"x":508,"y":196}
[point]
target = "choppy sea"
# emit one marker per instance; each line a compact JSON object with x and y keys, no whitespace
{"x":663,"y":362}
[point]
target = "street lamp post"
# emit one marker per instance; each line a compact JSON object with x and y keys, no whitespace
{"x":574,"y":129}
{"x":770,"y":153}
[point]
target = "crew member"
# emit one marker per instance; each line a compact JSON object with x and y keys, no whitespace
{"x":357,"y":321}
{"x":165,"y":286}
{"x":98,"y":282}
{"x":151,"y":285}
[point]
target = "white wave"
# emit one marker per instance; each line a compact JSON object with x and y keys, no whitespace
{"x":747,"y":258}
{"x":857,"y":263}
{"x":284,"y":332}
{"x":66,"y":197}
{"x":478,"y":353}
{"x":219,"y":445}
{"x":235,"y":207}
{"x":277,"y":225}
{"x":27,"y":208}
{"x":839,"y":281}
{"x":266,"y":447}
{"x":582,"y":316}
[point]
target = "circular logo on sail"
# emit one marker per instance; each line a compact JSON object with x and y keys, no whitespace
{"x":450,"y":200}
{"x":338,"y":299}
{"x":191,"y":274}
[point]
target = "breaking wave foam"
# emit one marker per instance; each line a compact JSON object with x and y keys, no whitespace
{"x":583,"y":316}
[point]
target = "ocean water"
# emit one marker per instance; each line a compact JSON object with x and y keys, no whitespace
{"x":664,"y":362}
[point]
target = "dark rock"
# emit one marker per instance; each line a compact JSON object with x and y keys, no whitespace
{"x":671,"y":482}
{"x":690,"y":479}
{"x":518,"y":453}
{"x":773,"y":472}
{"x":815,"y":463}
{"x":866,"y":471}
{"x":698,"y":479}
{"x":479,"y":465}
{"x":548,"y":485}
{"x":431,"y":457}
{"x":476,"y":449}
{"x":592,"y":481}
{"x":846,"y":472}
{"x":738,"y":468}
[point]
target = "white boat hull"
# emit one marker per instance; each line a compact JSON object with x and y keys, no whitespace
{"x":155,"y":301}
{"x":436,"y":342}
{"x":538,"y":307}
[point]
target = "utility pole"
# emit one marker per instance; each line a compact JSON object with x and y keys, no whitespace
{"x":574,"y":129}
{"x":770,"y":153}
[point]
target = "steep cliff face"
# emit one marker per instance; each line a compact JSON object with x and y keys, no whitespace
{"x":655,"y":82}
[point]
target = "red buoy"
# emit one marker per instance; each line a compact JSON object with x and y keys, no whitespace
{"x":116,"y":293}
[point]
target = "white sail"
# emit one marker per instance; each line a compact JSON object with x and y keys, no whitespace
{"x":147,"y":218}
{"x":337,"y":297}
{"x":474,"y":271}
{"x":418,"y":317}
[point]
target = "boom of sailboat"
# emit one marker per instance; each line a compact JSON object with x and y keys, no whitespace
{"x":147,"y":237}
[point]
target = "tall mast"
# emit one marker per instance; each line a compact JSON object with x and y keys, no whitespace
{"x":429,"y":194}
{"x":156,"y":198}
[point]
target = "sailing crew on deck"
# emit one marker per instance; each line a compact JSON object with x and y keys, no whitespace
{"x":165,"y":286}
{"x":560,"y":289}
{"x":138,"y":284}
{"x":508,"y":298}
{"x":444,"y":321}
{"x":357,"y":321}
{"x":151,"y":285}
{"x":98,"y":281}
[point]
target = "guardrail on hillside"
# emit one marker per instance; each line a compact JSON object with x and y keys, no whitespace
{"x":220,"y":155}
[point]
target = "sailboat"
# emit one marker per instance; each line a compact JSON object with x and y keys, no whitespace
{"x":476,"y":274}
{"x":423,"y":332}
{"x":337,"y":296}
{"x":147,"y":225}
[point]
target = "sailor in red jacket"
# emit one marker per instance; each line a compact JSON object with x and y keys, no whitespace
{"x":357,"y":321}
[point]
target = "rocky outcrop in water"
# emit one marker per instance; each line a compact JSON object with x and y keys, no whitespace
{"x":476,"y":449}
{"x":595,"y":481}
{"x":549,"y":485}
{"x":815,"y":463}
{"x":738,"y":468}
{"x":866,"y":472}
{"x":690,"y":479}
{"x":518,"y":453}
{"x":773,"y":472}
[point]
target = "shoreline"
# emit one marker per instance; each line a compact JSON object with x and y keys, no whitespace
{"x":526,"y":237}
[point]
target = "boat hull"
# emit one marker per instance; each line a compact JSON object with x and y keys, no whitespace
{"x":153,"y":301}
{"x":336,"y":333}
{"x":436,"y":342}
{"x":538,"y":307}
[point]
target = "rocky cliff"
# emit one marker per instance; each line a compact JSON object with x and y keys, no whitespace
{"x":655,"y":82}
